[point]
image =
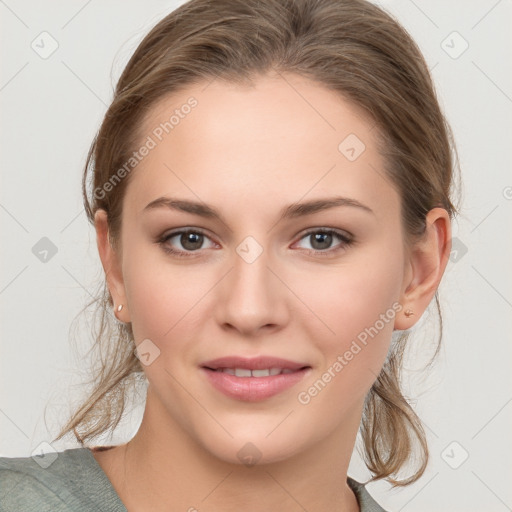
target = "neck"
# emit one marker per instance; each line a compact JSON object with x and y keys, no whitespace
{"x":163,"y":468}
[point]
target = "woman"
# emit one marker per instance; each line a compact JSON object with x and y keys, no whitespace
{"x":270,"y":190}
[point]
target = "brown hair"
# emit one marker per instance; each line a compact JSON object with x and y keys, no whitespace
{"x":349,"y":46}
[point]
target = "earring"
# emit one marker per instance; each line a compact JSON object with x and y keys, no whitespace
{"x":119,"y":308}
{"x":408,"y":313}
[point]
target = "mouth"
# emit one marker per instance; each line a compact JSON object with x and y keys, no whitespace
{"x":253,"y":379}
{"x":246,"y":372}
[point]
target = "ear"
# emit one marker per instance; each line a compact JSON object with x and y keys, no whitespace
{"x":110,"y":260}
{"x":427,"y":261}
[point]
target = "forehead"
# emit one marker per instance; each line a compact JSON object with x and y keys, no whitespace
{"x":282,"y":136}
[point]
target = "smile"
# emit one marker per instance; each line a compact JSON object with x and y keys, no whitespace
{"x":253,"y":379}
{"x":244,"y":372}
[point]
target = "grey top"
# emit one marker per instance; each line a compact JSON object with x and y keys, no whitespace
{"x":72,"y":480}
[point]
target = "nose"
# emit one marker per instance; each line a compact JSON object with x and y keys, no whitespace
{"x":251,"y":298}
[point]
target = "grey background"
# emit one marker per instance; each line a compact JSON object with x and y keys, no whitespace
{"x":51,"y":108}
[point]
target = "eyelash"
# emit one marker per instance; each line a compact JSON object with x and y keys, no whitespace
{"x":347,"y":241}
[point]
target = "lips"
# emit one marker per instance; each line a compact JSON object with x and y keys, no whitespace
{"x":255,"y":363}
{"x":253,"y":379}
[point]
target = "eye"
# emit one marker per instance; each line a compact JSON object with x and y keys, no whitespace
{"x":191,"y":240}
{"x":321,"y":240}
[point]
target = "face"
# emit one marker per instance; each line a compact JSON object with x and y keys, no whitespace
{"x":250,"y":274}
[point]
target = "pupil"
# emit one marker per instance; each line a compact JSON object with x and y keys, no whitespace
{"x":324,"y":239}
{"x":190,"y":240}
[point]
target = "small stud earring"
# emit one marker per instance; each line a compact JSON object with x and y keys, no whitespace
{"x":408,"y":313}
{"x":119,"y":308}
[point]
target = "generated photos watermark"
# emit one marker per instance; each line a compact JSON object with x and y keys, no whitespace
{"x":149,"y":143}
{"x":357,"y":345}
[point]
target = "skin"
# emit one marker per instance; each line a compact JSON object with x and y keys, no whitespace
{"x":249,"y":152}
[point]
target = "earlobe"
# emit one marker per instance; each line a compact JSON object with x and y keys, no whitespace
{"x":427,"y":262}
{"x":111,"y":266}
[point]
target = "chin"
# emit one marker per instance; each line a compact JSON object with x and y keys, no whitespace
{"x":251,"y":446}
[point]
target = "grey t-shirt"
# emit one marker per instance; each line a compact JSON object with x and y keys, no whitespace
{"x":74,"y":481}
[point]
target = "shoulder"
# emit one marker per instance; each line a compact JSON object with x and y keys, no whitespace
{"x":57,"y":482}
{"x":366,"y":502}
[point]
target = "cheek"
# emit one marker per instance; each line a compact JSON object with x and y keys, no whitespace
{"x":161,"y":295}
{"x":353,"y":297}
{"x":358,"y":305}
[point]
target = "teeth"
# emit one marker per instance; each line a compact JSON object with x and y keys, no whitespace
{"x":242,"y":372}
{"x":245,"y":372}
{"x":260,"y":373}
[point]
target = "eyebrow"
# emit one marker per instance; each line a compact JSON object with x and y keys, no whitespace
{"x":289,"y":212}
